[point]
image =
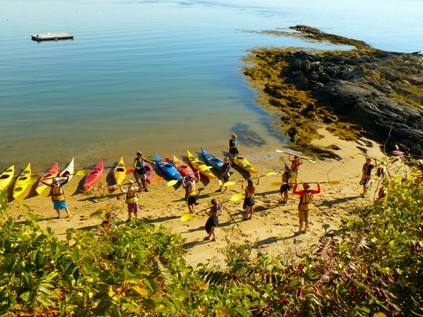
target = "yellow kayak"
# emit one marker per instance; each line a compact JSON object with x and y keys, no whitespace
{"x":119,"y":173}
{"x":200,"y":166}
{"x":22,"y":182}
{"x":242,"y":162}
{"x":6,"y":177}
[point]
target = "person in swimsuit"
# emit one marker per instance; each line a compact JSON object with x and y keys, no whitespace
{"x":304,"y":206}
{"x":58,"y":195}
{"x":233,"y":148}
{"x":249,"y":201}
{"x":140,"y":171}
{"x":367,"y":174}
{"x":131,"y":199}
{"x":190,"y":192}
{"x":286,"y":184}
{"x":295,"y":165}
{"x":213,"y":220}
{"x":225,"y":173}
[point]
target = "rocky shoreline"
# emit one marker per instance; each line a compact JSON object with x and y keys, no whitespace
{"x":363,"y":92}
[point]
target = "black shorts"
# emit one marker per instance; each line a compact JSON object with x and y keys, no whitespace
{"x":211,"y":222}
{"x":233,"y":151}
{"x":191,"y":200}
{"x":249,"y":201}
{"x":285,"y":188}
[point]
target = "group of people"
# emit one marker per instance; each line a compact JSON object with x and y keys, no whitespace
{"x":289,"y":181}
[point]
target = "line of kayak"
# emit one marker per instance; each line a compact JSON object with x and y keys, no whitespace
{"x":177,"y":170}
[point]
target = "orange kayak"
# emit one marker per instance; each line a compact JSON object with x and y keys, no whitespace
{"x":47,"y":177}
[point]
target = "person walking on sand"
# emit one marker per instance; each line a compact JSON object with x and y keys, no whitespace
{"x":131,"y":199}
{"x":58,"y":195}
{"x":295,"y":165}
{"x":304,"y":207}
{"x":249,"y":201}
{"x":213,"y":220}
{"x":233,"y":148}
{"x":286,"y":184}
{"x":140,"y":170}
{"x":225,"y":173}
{"x":367,"y":174}
{"x":190,"y":192}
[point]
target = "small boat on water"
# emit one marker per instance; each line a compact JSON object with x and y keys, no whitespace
{"x":47,"y":178}
{"x":119,"y":172}
{"x":68,"y":170}
{"x":22,"y":182}
{"x":200,"y":166}
{"x":183,"y":168}
{"x":168,"y":168}
{"x":212,"y":160}
{"x":242,"y":162}
{"x":93,"y":175}
{"x":6,"y":177}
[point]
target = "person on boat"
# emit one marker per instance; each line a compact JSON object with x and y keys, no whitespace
{"x":233,"y":148}
{"x":213,"y":220}
{"x":225,"y":173}
{"x":131,"y":199}
{"x":190,"y":192}
{"x":304,"y":207}
{"x":140,"y":170}
{"x":286,"y":184}
{"x":249,"y":201}
{"x":58,"y":195}
{"x":367,"y":174}
{"x":295,"y":165}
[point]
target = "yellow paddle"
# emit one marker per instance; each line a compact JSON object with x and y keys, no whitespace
{"x":187,"y":217}
{"x":334,"y":182}
{"x":172,"y":182}
{"x":290,"y":153}
{"x":234,"y":182}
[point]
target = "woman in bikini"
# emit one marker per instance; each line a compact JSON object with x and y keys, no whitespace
{"x":249,"y":201}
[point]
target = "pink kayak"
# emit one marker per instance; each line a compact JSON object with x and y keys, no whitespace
{"x":93,"y":175}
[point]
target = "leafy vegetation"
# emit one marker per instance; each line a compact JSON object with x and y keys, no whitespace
{"x":372,"y":267}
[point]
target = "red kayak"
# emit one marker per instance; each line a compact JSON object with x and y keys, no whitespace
{"x":94,"y":175}
{"x":48,"y":178}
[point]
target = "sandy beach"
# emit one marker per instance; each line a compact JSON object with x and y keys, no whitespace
{"x":273,"y":224}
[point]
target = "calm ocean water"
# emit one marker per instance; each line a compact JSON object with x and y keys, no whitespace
{"x":158,"y":76}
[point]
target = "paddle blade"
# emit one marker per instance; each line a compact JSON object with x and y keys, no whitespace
{"x":279,"y":151}
{"x":229,"y":183}
{"x":82,"y":172}
{"x":334,"y":182}
{"x":129,"y":171}
{"x":270,"y":174}
{"x":172,"y":182}
{"x":276,"y":184}
{"x":312,"y":161}
{"x":187,"y":217}
{"x":282,"y":159}
{"x":237,"y":197}
{"x":156,"y":179}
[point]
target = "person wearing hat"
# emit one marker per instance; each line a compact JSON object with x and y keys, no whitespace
{"x":233,"y":148}
{"x":140,"y":171}
{"x":58,"y":195}
{"x":304,"y":206}
{"x":190,"y":192}
{"x":131,"y":199}
{"x":225,"y":171}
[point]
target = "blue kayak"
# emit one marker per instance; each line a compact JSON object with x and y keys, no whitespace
{"x":167,"y":168}
{"x":213,"y":161}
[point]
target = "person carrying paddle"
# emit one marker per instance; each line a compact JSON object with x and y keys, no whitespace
{"x":190,"y":192}
{"x":304,"y":206}
{"x":225,"y":173}
{"x":58,"y":195}
{"x":131,"y":199}
{"x":286,"y":186}
{"x":233,"y":148}
{"x":295,"y":165}
{"x":140,"y":171}
{"x":249,"y":201}
{"x":367,"y":174}
{"x":213,"y":220}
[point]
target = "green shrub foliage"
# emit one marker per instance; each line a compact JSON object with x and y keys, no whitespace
{"x":372,"y":266}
